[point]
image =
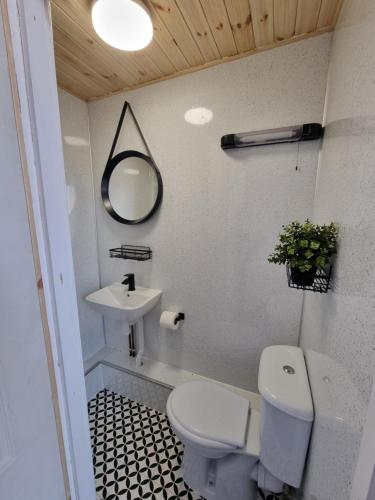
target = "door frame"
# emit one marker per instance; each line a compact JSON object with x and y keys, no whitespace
{"x":28,"y":30}
{"x":28,"y":33}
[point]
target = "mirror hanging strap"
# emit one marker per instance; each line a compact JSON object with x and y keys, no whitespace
{"x":118,"y":130}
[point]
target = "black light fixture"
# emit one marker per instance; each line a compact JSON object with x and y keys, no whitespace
{"x":294,"y":133}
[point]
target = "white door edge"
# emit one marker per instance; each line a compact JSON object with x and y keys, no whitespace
{"x":31,"y":35}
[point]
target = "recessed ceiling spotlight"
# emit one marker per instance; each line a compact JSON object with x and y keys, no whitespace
{"x":123,"y":24}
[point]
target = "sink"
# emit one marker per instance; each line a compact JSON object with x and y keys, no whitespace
{"x":116,"y":302}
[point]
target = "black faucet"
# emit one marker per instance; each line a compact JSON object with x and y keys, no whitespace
{"x":130,"y":281}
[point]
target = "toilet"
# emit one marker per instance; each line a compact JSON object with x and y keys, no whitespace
{"x":231,"y":449}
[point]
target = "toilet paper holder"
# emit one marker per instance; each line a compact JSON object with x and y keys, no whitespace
{"x":179,"y":317}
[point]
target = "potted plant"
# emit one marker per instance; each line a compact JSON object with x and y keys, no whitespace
{"x":305,"y":247}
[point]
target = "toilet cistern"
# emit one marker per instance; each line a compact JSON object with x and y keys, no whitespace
{"x":130,"y":281}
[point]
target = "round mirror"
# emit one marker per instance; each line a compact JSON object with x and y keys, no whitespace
{"x":132,"y":188}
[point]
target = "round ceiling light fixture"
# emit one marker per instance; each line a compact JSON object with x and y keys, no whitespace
{"x":123,"y":24}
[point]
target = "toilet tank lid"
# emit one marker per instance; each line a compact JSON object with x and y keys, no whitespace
{"x":283,"y":381}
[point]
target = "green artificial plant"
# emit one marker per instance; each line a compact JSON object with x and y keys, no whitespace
{"x":305,"y":246}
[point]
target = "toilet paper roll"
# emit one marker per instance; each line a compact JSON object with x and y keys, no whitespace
{"x":167,"y":320}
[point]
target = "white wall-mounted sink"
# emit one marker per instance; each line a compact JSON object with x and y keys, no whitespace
{"x":116,"y":302}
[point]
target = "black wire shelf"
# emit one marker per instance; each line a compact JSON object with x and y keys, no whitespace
{"x":321,"y":283}
{"x":131,"y":252}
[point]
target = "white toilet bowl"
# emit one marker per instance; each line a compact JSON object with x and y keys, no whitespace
{"x":220,"y":440}
{"x":229,"y":448}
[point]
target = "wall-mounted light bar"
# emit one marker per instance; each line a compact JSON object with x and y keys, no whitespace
{"x":294,"y":133}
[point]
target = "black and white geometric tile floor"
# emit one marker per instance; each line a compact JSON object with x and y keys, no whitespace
{"x":136,"y":454}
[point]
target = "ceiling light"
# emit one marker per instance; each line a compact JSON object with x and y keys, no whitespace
{"x":123,"y":24}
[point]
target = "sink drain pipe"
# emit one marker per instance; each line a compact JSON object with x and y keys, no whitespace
{"x":132,"y":341}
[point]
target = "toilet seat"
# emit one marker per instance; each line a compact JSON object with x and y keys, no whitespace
{"x":209,"y":415}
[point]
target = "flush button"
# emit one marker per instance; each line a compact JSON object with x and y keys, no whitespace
{"x":289,"y":370}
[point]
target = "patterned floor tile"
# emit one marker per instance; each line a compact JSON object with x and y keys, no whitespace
{"x":136,"y":454}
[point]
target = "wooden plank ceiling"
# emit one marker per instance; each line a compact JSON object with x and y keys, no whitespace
{"x":188,"y":35}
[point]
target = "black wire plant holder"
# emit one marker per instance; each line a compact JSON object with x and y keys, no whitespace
{"x":321,"y":283}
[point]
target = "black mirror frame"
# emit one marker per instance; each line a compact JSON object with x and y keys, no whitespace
{"x":111,"y":165}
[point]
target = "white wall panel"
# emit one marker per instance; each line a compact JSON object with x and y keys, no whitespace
{"x":338,"y":329}
{"x":78,"y":173}
{"x":221,"y":211}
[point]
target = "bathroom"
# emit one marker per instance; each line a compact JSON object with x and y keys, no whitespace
{"x":194,"y":235}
